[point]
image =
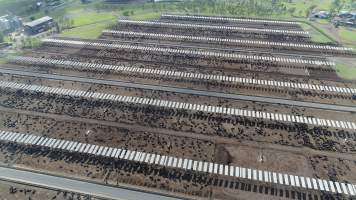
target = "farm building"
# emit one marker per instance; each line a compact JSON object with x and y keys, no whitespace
{"x":39,"y":25}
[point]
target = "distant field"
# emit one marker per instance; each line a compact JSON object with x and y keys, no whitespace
{"x":346,"y":71}
{"x":9,"y":2}
{"x":5,"y":1}
{"x":91,"y":31}
{"x":85,"y":17}
{"x":316,"y":35}
{"x":301,"y":6}
{"x":91,"y":24}
{"x":146,"y":16}
{"x":348,"y":35}
{"x":89,"y":20}
{"x":15,"y":6}
{"x":89,"y":17}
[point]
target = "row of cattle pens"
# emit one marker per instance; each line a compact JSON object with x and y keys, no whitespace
{"x":203,"y":43}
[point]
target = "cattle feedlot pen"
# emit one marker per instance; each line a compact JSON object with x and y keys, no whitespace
{"x":231,"y":56}
{"x":211,"y":27}
{"x":227,"y":41}
{"x":210,"y":18}
{"x":181,"y":105}
{"x":198,"y":166}
{"x":184,"y":75}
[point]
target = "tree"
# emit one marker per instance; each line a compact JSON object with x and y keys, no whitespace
{"x":291,"y":10}
{"x":310,"y":10}
{"x":126,"y":13}
{"x":300,"y":13}
{"x":1,"y":37}
{"x":353,"y":5}
{"x":71,"y":22}
{"x":336,"y":6}
{"x":58,"y":29}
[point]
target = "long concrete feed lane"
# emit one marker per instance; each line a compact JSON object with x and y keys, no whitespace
{"x":183,"y":90}
{"x":83,"y":187}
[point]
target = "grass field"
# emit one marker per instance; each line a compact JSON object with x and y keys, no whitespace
{"x":316,"y":35}
{"x":4,"y":2}
{"x":348,"y":35}
{"x":347,"y":72}
{"x":90,"y":17}
{"x":89,"y":21}
{"x":146,"y":16}
{"x":15,"y":6}
{"x":91,"y":31}
{"x":301,"y":6}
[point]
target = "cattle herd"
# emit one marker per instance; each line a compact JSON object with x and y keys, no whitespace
{"x":191,"y":106}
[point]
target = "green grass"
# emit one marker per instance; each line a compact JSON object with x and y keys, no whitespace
{"x":347,"y":35}
{"x":7,"y":39}
{"x":91,"y":31}
{"x":3,"y":60}
{"x":316,"y":35}
{"x":87,"y":23}
{"x":146,"y":16}
{"x":346,"y":71}
{"x":4,"y":2}
{"x":15,"y":6}
{"x":352,"y":46}
{"x":90,"y":22}
{"x":85,"y":18}
{"x":301,"y":6}
{"x":323,"y":21}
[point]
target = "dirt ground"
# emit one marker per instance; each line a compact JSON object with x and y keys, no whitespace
{"x":14,"y":191}
{"x":266,"y":159}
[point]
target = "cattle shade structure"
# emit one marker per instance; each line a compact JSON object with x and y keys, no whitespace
{"x":183,"y":51}
{"x":188,"y":164}
{"x":215,"y":27}
{"x":228,"y":41}
{"x":181,"y":105}
{"x":184,"y":75}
